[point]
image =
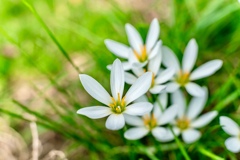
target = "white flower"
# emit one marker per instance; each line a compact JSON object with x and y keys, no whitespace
{"x":184,"y":76}
{"x":187,"y":122}
{"x":158,"y":77}
{"x":117,"y":104}
{"x":151,"y":122}
{"x":139,"y":53}
{"x":231,"y":128}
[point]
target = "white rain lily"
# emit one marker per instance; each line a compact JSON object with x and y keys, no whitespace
{"x":187,"y":121}
{"x":184,"y":75}
{"x":151,"y":122}
{"x":117,"y":104}
{"x":233,"y":129}
{"x":158,"y":77}
{"x":139,"y":53}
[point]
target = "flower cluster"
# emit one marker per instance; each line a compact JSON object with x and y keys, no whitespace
{"x":156,"y":101}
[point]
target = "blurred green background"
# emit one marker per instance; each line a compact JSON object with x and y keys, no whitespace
{"x":42,"y":43}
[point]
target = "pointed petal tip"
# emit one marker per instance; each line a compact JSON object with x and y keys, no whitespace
{"x":79,"y":111}
{"x":215,"y":113}
{"x":127,"y":25}
{"x":219,"y":62}
{"x":81,"y":76}
{"x":106,"y":41}
{"x":117,"y":61}
{"x":155,"y":20}
{"x":193,"y":40}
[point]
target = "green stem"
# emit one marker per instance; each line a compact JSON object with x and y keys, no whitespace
{"x":148,"y":152}
{"x":160,"y":105}
{"x":32,"y":9}
{"x":181,"y":147}
{"x":209,"y":154}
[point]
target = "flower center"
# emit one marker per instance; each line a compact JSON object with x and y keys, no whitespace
{"x":182,"y":78}
{"x":142,"y":56}
{"x":150,"y":121}
{"x":118,"y":106}
{"x":183,"y":123}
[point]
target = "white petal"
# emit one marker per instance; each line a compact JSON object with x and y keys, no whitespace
{"x":170,"y":59}
{"x":204,"y":119}
{"x":138,"y":109}
{"x":140,"y":64}
{"x":95,"y":89}
{"x":163,"y":98}
{"x":191,"y":135}
{"x":157,"y":110}
{"x":196,"y":105}
{"x":229,"y":126}
{"x":134,"y":38}
{"x":117,"y":79}
{"x":206,"y":69}
{"x":143,"y":98}
{"x":153,"y":34}
{"x":190,"y":55}
{"x":133,"y":120}
{"x":95,"y":112}
{"x":136,"y":133}
{"x":126,"y":66}
{"x":119,"y":49}
{"x":138,"y":71}
{"x":168,"y":115}
{"x":233,"y":144}
{"x":156,"y":50}
{"x":172,"y":87}
{"x":164,"y":76}
{"x":139,"y":88}
{"x":132,"y":58}
{"x":169,"y":136}
{"x":115,"y":122}
{"x":159,"y":132}
{"x":179,"y":99}
{"x":157,"y":89}
{"x":129,"y":78}
{"x":194,"y":89}
{"x":154,"y":64}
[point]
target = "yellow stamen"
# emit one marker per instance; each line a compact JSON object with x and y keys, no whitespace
{"x":119,"y":105}
{"x":150,"y":121}
{"x":142,"y":56}
{"x":183,"y":123}
{"x":183,"y":78}
{"x":153,"y":79}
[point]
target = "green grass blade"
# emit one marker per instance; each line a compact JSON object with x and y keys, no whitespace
{"x":32,"y":9}
{"x":181,"y":147}
{"x":209,"y":154}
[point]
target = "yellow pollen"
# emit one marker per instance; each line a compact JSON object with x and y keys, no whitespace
{"x":119,"y":105}
{"x":118,"y":109}
{"x":150,"y":121}
{"x":183,"y":123}
{"x":182,"y":78}
{"x":142,"y":56}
